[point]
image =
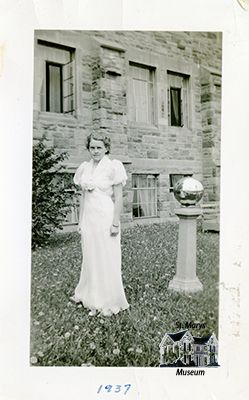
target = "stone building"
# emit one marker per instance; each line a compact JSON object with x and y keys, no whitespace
{"x":156,"y":94}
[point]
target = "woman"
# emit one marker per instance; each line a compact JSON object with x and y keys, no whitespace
{"x":100,"y":287}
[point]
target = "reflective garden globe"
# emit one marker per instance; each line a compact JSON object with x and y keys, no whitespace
{"x":188,"y":191}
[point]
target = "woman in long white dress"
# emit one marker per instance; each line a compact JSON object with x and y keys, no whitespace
{"x":100,"y":287}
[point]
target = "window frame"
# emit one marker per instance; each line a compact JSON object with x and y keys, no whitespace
{"x":179,"y":93}
{"x":73,"y":93}
{"x":75,"y":206}
{"x":65,"y":60}
{"x":151,"y":99}
{"x":75,"y":194}
{"x":154,"y":188}
{"x":48,"y":86}
{"x":180,"y":81}
{"x":182,"y":175}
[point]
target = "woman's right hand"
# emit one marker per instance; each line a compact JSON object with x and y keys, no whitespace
{"x":114,"y":230}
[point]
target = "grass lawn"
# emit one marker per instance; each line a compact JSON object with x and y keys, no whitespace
{"x":62,"y":333}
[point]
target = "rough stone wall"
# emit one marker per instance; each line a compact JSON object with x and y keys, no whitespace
{"x":211,"y":126}
{"x":67,"y":132}
{"x":203,"y":48}
{"x":102,"y":65}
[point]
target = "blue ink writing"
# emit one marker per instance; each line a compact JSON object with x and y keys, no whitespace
{"x":114,"y":388}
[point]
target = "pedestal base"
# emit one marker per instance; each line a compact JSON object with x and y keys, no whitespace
{"x":185,"y":279}
{"x":178,"y":285}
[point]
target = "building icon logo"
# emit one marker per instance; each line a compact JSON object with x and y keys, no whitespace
{"x":182,"y":349}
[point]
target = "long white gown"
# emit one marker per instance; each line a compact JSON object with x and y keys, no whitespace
{"x":100,"y":286}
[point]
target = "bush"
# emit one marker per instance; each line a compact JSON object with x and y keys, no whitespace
{"x":51,"y":200}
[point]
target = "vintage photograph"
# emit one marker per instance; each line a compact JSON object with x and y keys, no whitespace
{"x":126,"y":198}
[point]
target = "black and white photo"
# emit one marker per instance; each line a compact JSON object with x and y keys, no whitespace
{"x":134,"y":113}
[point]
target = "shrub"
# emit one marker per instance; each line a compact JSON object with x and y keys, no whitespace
{"x":50,"y":199}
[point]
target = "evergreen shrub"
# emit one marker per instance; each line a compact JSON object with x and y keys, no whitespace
{"x":51,"y":200}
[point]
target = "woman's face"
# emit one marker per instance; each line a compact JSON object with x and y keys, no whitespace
{"x":97,"y":149}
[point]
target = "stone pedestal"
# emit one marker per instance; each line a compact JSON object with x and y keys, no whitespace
{"x":185,"y":279}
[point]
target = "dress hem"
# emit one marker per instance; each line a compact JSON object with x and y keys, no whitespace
{"x":104,"y":311}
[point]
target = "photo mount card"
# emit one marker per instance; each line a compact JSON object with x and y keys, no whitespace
{"x":230,"y":282}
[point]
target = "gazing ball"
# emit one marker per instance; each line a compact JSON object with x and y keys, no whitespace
{"x":188,"y":191}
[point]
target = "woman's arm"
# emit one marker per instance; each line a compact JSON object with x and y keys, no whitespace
{"x":118,"y":204}
{"x":81,"y":210}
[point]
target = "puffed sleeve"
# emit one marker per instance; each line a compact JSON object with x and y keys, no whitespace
{"x":119,"y":173}
{"x":78,"y":173}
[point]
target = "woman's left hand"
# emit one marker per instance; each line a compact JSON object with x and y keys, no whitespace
{"x":114,"y":230}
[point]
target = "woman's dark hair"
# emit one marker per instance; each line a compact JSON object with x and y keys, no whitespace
{"x":99,"y":136}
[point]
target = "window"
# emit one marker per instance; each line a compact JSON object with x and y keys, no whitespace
{"x":178,"y":100}
{"x":144,"y":195}
{"x":60,"y":87}
{"x":72,"y":197}
{"x":175,"y":107}
{"x":212,"y":358}
{"x":174,"y":178}
{"x":141,"y":100}
{"x":64,"y":182}
{"x":72,"y":217}
{"x":54,"y":98}
{"x":57,"y":88}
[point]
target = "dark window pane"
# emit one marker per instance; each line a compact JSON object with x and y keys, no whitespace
{"x":174,"y":178}
{"x":175,"y":106}
{"x":54,"y":88}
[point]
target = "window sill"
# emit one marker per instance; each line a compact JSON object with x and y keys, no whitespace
{"x":184,"y":128}
{"x":57,"y":116}
{"x":120,"y":157}
{"x":139,"y":125}
{"x":143,"y":218}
